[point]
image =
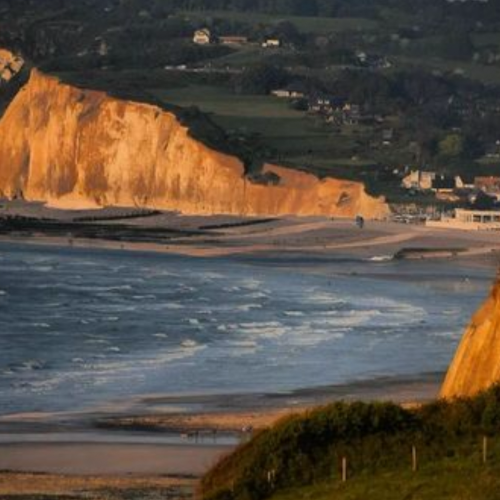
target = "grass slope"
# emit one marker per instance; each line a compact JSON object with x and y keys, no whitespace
{"x":300,"y":457}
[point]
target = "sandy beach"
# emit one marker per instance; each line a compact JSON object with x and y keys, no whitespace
{"x":220,"y":235}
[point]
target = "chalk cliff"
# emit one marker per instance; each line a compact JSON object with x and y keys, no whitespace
{"x":77,"y":148}
{"x":476,"y":365}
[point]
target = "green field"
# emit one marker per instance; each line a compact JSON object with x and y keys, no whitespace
{"x":452,"y":479}
{"x":481,"y":72}
{"x":318,"y":25}
{"x":290,"y":132}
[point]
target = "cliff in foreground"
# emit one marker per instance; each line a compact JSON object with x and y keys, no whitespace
{"x":77,"y":148}
{"x":476,"y":365}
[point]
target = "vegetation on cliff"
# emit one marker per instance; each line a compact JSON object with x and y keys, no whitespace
{"x":301,"y":456}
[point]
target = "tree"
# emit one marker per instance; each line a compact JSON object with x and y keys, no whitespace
{"x":452,"y":146}
{"x":260,"y":79}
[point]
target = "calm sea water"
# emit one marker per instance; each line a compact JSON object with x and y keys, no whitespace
{"x":82,"y":327}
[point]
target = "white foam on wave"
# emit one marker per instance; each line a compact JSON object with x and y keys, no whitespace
{"x":32,"y":364}
{"x":251,"y":283}
{"x":294,"y":314}
{"x":248,"y":307}
{"x":193,"y":321}
{"x":144,"y":297}
{"x":189,"y":343}
{"x":160,"y":335}
{"x":246,"y":344}
{"x":211,"y":275}
{"x":97,"y":342}
{"x":173,"y":306}
{"x":256,"y":295}
{"x":323,"y":298}
{"x":3,"y":293}
{"x":445,"y":334}
{"x":381,"y":258}
{"x":268,"y":330}
{"x":41,"y":325}
{"x":111,"y":319}
{"x":42,"y":269}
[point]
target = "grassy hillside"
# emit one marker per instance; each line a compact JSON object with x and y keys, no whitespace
{"x":301,"y":456}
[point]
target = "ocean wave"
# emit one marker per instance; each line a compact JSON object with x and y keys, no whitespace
{"x":172,"y":305}
{"x":248,"y":307}
{"x":250,"y":284}
{"x":269,"y":330}
{"x":97,"y":342}
{"x":32,"y":365}
{"x":296,"y":314}
{"x":256,"y":295}
{"x":381,"y":258}
{"x":189,"y":343}
{"x":144,"y":297}
{"x":160,"y":335}
{"x":245,"y":344}
{"x":42,"y":269}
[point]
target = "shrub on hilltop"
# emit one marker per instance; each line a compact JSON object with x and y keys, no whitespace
{"x":305,"y":449}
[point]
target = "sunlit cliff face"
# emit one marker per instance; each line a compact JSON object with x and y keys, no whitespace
{"x":476,"y":365}
{"x":76,"y":148}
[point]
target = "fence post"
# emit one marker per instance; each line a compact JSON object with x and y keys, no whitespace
{"x":344,"y":469}
{"x":414,"y":460}
{"x":485,"y":449}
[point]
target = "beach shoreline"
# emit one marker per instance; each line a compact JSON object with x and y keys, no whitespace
{"x":198,"y":424}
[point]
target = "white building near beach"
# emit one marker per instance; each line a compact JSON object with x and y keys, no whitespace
{"x":469,"y":220}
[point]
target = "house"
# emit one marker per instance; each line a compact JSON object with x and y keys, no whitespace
{"x":493,"y":150}
{"x":202,"y":37}
{"x":418,"y":180}
{"x":325,"y":104}
{"x":292,"y":91}
{"x":489,"y":185}
{"x":472,"y":220}
{"x":233,"y":40}
{"x":387,"y":136}
{"x":272,"y":43}
{"x":103,"y":49}
{"x":445,"y":184}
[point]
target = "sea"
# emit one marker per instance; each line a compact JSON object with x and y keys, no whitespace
{"x":82,"y":327}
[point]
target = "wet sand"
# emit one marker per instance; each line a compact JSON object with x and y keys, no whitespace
{"x":105,"y":459}
{"x":27,"y":485}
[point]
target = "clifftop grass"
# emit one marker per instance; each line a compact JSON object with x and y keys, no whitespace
{"x":302,"y":453}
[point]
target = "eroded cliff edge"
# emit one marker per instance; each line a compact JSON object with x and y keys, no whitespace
{"x":476,"y":365}
{"x":78,"y":148}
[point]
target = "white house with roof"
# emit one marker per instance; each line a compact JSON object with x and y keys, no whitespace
{"x":202,"y":37}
